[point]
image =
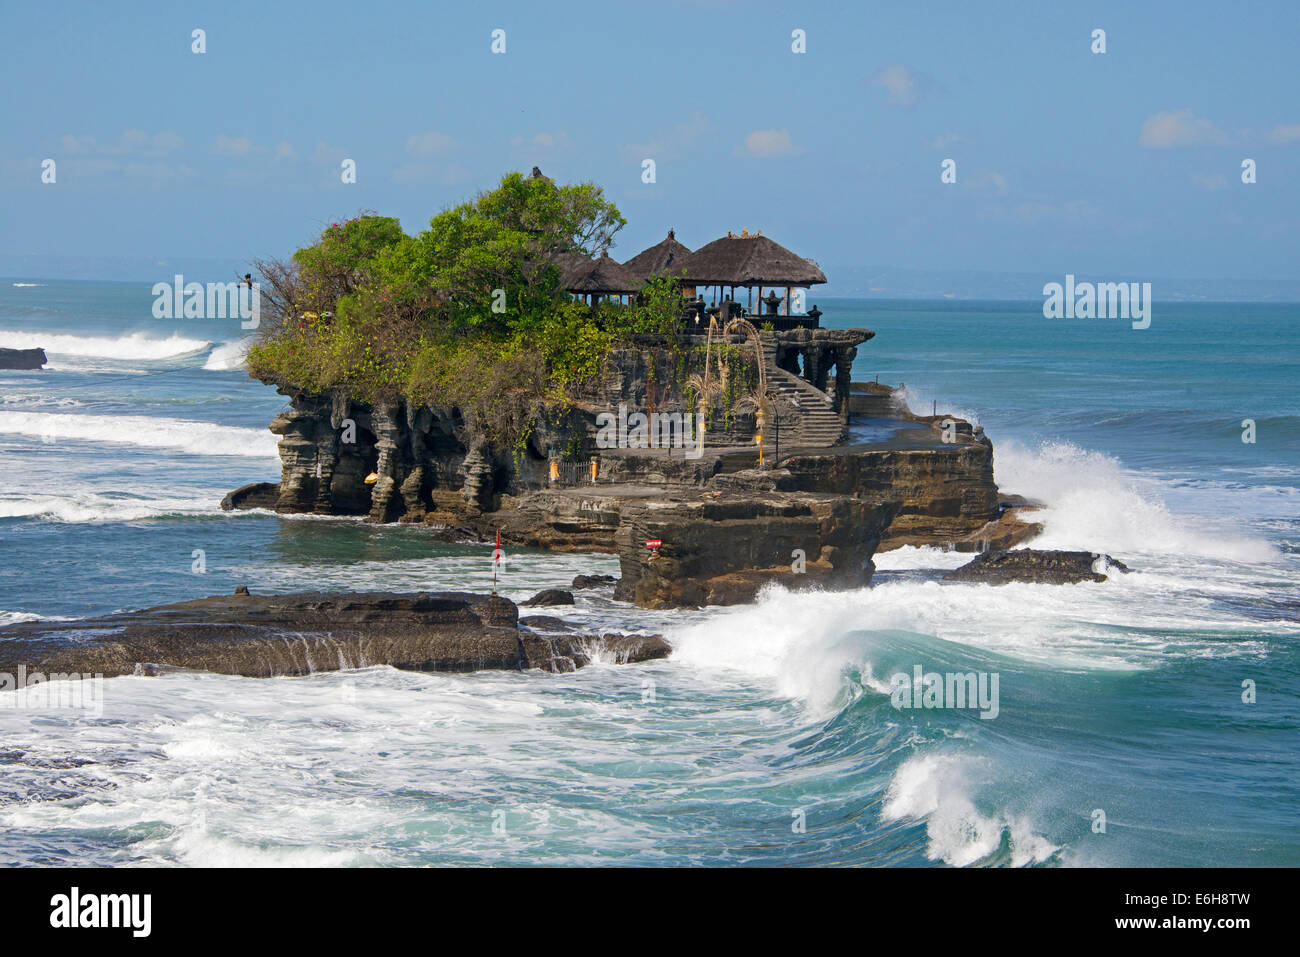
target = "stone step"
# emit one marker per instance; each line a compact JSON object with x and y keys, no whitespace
{"x":818,"y":424}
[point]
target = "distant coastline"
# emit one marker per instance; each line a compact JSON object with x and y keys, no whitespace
{"x":846,"y":282}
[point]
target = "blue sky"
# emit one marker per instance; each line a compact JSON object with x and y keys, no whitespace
{"x":1120,"y":165}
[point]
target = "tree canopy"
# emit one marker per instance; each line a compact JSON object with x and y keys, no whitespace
{"x":472,"y":303}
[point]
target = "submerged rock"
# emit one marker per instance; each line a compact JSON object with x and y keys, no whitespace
{"x":545,"y":623}
{"x":298,"y":634}
{"x":1035,"y":566}
{"x":256,"y":495}
{"x":593,"y":581}
{"x":550,"y":596}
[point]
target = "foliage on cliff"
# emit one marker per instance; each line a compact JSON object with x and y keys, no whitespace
{"x":470,"y":312}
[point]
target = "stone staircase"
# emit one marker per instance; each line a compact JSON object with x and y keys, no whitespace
{"x":817,"y":424}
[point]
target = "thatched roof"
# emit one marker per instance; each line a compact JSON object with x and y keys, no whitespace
{"x":580,"y":274}
{"x":749,"y":261}
{"x":667,"y":255}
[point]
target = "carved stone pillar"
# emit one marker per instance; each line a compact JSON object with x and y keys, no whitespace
{"x":811,"y":364}
{"x":819,"y":366}
{"x":844,"y":356}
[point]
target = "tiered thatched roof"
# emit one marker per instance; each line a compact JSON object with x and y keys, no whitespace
{"x":749,"y":261}
{"x":603,"y":275}
{"x":665,"y":256}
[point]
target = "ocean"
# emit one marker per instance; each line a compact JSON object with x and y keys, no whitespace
{"x":769,"y":737}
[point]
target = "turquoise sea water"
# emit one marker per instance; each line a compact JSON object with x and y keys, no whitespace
{"x":769,"y":736}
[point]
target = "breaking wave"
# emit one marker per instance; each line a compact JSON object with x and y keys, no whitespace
{"x":194,"y":438}
{"x":1094,"y":503}
{"x":227,"y":356}
{"x":136,"y":345}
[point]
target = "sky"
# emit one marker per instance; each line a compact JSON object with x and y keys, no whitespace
{"x":1122,"y":165}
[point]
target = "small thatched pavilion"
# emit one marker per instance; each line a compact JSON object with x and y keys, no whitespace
{"x":752,"y":262}
{"x":594,"y":278}
{"x":664,"y":257}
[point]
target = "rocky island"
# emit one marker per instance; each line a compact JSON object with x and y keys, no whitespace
{"x":500,"y":377}
{"x":714,"y":445}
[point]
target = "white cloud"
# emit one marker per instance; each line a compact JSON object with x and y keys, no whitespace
{"x":133,"y":140}
{"x":284,"y":151}
{"x":129,"y":142}
{"x":233,"y":146}
{"x":768,"y":143}
{"x":1285,"y":133}
{"x":143,"y":168}
{"x":942,"y":141}
{"x":901,"y":83}
{"x":429,"y":144}
{"x":325,"y":153}
{"x":984,"y":179}
{"x":1177,"y":128}
{"x":77,"y":144}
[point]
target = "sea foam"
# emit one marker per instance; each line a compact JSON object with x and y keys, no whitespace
{"x":134,"y":346}
{"x":194,"y":438}
{"x":1093,"y":503}
{"x":227,"y":356}
{"x":936,"y":788}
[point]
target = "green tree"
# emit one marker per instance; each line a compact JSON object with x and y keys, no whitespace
{"x":340,"y":262}
{"x":511,"y":238}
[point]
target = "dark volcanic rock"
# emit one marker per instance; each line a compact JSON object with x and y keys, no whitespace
{"x":22,"y":358}
{"x":593,"y":581}
{"x":631,"y":648}
{"x":456,"y":534}
{"x":722,"y":548}
{"x":545,"y":623}
{"x":559,"y":521}
{"x":946,"y":492}
{"x":256,"y":495}
{"x":1032,"y":565}
{"x":261,"y":636}
{"x":550,"y":596}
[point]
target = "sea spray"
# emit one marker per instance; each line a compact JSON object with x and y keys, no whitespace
{"x":131,"y":346}
{"x":1092,"y":502}
{"x":157,"y":432}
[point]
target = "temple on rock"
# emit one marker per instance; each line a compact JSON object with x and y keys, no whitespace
{"x":712,"y":278}
{"x":741,"y":440}
{"x":724,"y":281}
